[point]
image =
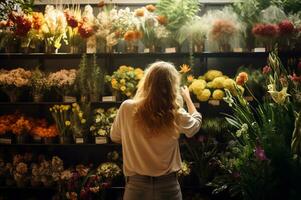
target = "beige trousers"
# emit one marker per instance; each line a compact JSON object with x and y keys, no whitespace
{"x":140,"y":187}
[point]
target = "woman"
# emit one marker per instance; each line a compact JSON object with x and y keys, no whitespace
{"x":148,"y":128}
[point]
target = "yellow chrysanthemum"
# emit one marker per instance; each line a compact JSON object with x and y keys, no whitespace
{"x":122,"y":88}
{"x":218,"y":82}
{"x":197,"y":85}
{"x":212,"y":74}
{"x":204,"y":95}
{"x":67,"y":123}
{"x":83,"y":121}
{"x":209,"y":84}
{"x":122,"y":81}
{"x":202,"y":77}
{"x":229,"y":84}
{"x":218,"y":94}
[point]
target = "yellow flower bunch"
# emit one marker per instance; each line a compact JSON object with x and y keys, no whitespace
{"x":61,"y":116}
{"x":214,"y":87}
{"x":78,"y":119}
{"x":125,"y":79}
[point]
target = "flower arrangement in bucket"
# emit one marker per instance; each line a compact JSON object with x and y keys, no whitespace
{"x":61,"y":116}
{"x":153,"y":31}
{"x":38,"y":84}
{"x":13,"y":81}
{"x":225,"y":31}
{"x":107,"y":36}
{"x":102,"y":122}
{"x":175,"y":14}
{"x":73,"y":17}
{"x":127,"y":29}
{"x":78,"y":117}
{"x":46,"y":132}
{"x":125,"y":80}
{"x":63,"y":81}
{"x":54,"y":29}
{"x":22,"y":128}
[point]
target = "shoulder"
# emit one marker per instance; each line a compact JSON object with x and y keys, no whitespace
{"x":127,"y":104}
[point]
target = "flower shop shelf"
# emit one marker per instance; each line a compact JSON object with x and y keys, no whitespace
{"x":56,"y":103}
{"x":116,"y":55}
{"x":61,"y":145}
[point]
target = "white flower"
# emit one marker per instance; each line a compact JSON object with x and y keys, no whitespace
{"x":278,"y":96}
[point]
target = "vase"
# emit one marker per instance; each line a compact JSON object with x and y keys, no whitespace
{"x":49,"y":49}
{"x":225,"y":47}
{"x":13,"y":94}
{"x":49,"y":140}
{"x":74,"y":49}
{"x":91,"y":44}
{"x":37,"y":97}
{"x":66,"y":139}
{"x":21,"y":139}
{"x":130,"y":47}
{"x":198,"y":48}
{"x":69,"y":99}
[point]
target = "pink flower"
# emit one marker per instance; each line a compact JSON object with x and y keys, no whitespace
{"x":286,"y":27}
{"x":260,"y":153}
{"x":295,"y":78}
{"x":267,"y":69}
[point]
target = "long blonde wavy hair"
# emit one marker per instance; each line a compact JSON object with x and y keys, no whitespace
{"x":158,"y":99}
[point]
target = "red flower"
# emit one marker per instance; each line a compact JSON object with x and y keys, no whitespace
{"x":72,"y":22}
{"x":265,"y":30}
{"x":266,"y":69}
{"x":295,"y":78}
{"x":85,"y":30}
{"x":242,"y":78}
{"x":286,"y":27}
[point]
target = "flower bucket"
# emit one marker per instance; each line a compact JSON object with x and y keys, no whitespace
{"x":66,"y":140}
{"x":49,"y":140}
{"x":37,"y":98}
{"x":21,"y":139}
{"x":130,"y":47}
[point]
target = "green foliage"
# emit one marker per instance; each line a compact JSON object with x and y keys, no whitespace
{"x":91,"y":79}
{"x":291,"y":6}
{"x":178,"y":12}
{"x":8,"y":5}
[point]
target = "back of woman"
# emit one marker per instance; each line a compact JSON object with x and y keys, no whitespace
{"x":148,"y":128}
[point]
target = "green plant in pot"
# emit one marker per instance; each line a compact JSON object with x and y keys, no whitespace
{"x":90,"y":79}
{"x":177,"y":13}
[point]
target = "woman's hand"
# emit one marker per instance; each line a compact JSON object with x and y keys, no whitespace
{"x":185,"y":93}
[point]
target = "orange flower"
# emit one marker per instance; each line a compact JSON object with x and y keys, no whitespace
{"x":139,"y":12}
{"x":129,"y":35}
{"x":38,"y":20}
{"x":162,"y":19}
{"x":150,"y":8}
{"x":43,"y":132}
{"x":184,"y":68}
{"x":242,"y":78}
{"x":190,"y":78}
{"x":21,"y":126}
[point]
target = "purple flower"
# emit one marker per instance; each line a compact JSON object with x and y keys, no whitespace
{"x":260,"y":153}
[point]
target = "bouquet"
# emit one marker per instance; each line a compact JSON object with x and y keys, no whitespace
{"x":45,"y":132}
{"x":7,"y":37}
{"x":38,"y":83}
{"x":185,"y":169}
{"x":108,"y":170}
{"x":22,"y":126}
{"x":63,"y":81}
{"x":61,"y":116}
{"x":20,"y":174}
{"x":126,"y":26}
{"x":225,"y":31}
{"x":11,"y":82}
{"x":78,"y":120}
{"x":103,"y":121}
{"x":54,"y":29}
{"x":5,"y":123}
{"x":73,"y":17}
{"x":125,"y":80}
{"x":87,"y":24}
{"x":153,"y":32}
{"x":105,"y":27}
